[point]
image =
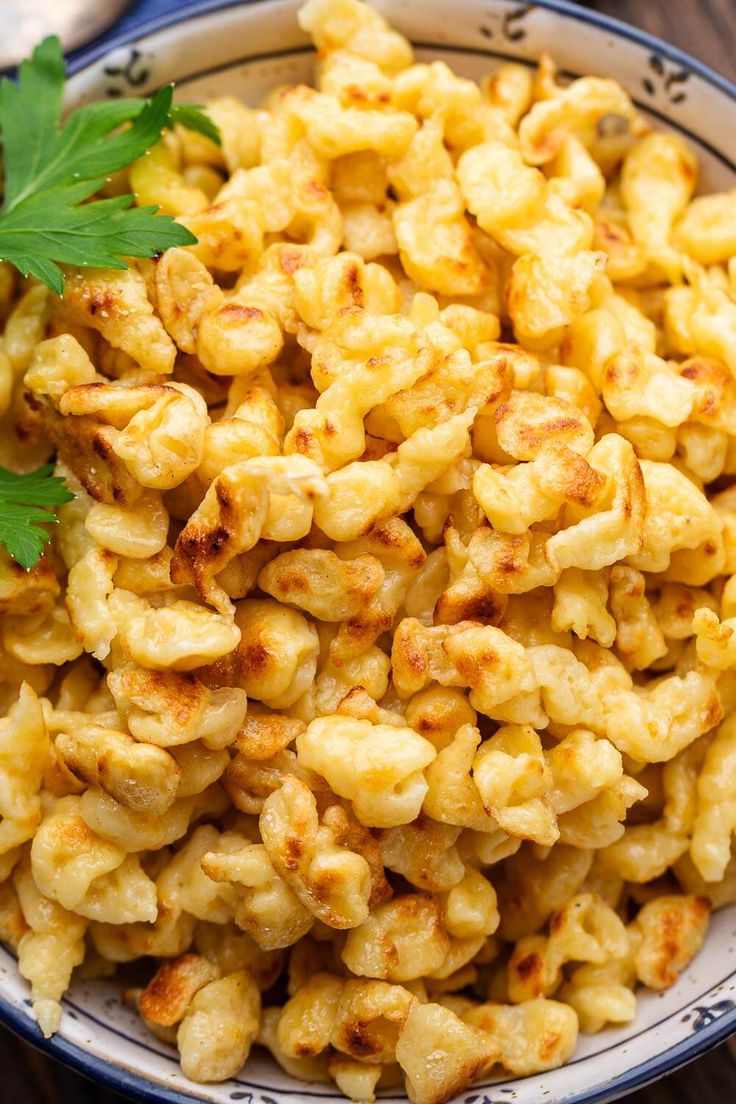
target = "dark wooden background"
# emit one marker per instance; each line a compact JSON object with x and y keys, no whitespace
{"x":706,"y":28}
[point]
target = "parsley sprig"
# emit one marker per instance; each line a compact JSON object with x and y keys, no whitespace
{"x":22,"y":513}
{"x":52,"y":168}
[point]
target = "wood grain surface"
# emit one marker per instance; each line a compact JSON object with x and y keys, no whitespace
{"x":707,"y":29}
{"x":704,"y":28}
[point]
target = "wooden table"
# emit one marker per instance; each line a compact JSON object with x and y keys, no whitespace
{"x":706,"y":28}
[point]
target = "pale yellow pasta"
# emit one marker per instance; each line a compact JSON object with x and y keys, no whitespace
{"x":657,"y":180}
{"x":714,"y":822}
{"x":48,"y":950}
{"x":659,"y":959}
{"x":24,"y":752}
{"x":267,"y":910}
{"x":333,"y":881}
{"x":86,"y":873}
{"x":116,"y":304}
{"x":181,"y":636}
{"x":585,"y":930}
{"x":358,"y":758}
{"x":167,"y":708}
{"x":440,"y":1054}
{"x":533,"y":1036}
{"x":218,"y":1028}
{"x":382,"y":665}
{"x":401,"y":940}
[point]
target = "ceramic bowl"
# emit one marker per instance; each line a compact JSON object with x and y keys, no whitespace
{"x":245,"y":49}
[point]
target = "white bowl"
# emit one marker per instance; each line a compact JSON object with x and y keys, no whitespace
{"x":245,"y":49}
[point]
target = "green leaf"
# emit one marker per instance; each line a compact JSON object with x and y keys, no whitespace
{"x":40,"y":487}
{"x":52,"y":171}
{"x":22,"y":517}
{"x":190,"y":116}
{"x":83,"y":152}
{"x":29,"y":114}
{"x":193,"y":117}
{"x":54,"y":227}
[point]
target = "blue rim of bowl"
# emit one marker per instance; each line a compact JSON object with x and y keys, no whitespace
{"x":141,"y":1088}
{"x":79,"y":59}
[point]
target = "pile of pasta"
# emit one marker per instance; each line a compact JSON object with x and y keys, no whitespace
{"x":379,"y":682}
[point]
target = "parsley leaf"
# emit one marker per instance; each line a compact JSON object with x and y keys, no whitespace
{"x":193,"y":117}
{"x":22,"y":517}
{"x":51,"y":168}
{"x":98,"y":235}
{"x":190,"y":116}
